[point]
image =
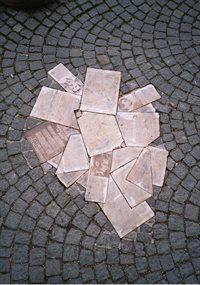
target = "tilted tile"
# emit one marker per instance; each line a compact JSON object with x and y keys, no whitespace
{"x":132,"y":193}
{"x":138,"y":129}
{"x":101,"y":91}
{"x":97,"y":183}
{"x":66,"y":79}
{"x":138,"y":98}
{"x":123,"y":218}
{"x":100,"y":132}
{"x":56,"y":106}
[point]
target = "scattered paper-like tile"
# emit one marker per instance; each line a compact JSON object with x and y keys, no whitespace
{"x":123,"y":218}
{"x":98,"y":178}
{"x":138,"y":129}
{"x":158,"y":163}
{"x":138,"y":98}
{"x":101,"y":91}
{"x":66,"y":79}
{"x":140,"y":173}
{"x":56,"y":106}
{"x":55,"y":160}
{"x":69,"y":178}
{"x":133,"y":193}
{"x":146,"y":109}
{"x":83,"y":179}
{"x":49,"y":139}
{"x":122,"y":156}
{"x":75,"y":157}
{"x":100,"y":133}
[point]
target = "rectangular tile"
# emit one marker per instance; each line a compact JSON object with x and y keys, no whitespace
{"x":98,"y":177}
{"x":49,"y":139}
{"x":101,"y":91}
{"x":123,"y":218}
{"x":66,"y":79}
{"x":56,"y":106}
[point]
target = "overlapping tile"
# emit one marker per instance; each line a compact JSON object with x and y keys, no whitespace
{"x":138,"y":129}
{"x":100,"y":132}
{"x":66,"y":79}
{"x":123,"y":218}
{"x":101,"y":91}
{"x":138,"y":98}
{"x":97,"y":183}
{"x":56,"y":106}
{"x":49,"y":139}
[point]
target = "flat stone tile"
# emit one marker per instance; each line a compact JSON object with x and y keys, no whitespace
{"x":132,"y":193}
{"x":101,"y":91}
{"x":140,"y":173}
{"x":56,"y":106}
{"x":98,"y":177}
{"x":66,"y":79}
{"x":75,"y":156}
{"x":83,"y":179}
{"x":138,"y":98}
{"x":124,"y":155}
{"x":123,"y":218}
{"x":69,"y":178}
{"x":138,"y":129}
{"x":158,"y":163}
{"x":55,"y":160}
{"x":100,"y":132}
{"x":146,"y":109}
{"x":49,"y":139}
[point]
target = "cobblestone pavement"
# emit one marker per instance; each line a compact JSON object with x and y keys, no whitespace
{"x":48,"y":235}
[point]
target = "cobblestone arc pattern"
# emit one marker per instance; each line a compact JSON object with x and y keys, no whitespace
{"x":48,"y":235}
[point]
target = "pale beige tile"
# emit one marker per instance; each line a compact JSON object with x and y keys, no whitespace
{"x":138,"y":98}
{"x":133,"y":193}
{"x":56,"y":106}
{"x":55,"y":160}
{"x":123,"y":218}
{"x":146,"y":109}
{"x":101,"y":91}
{"x":100,"y":132}
{"x":66,"y":79}
{"x":83,"y":179}
{"x":97,"y":183}
{"x":140,"y":174}
{"x":138,"y":129}
{"x":122,"y":156}
{"x":70,"y":177}
{"x":158,"y":163}
{"x":75,"y":157}
{"x":49,"y":139}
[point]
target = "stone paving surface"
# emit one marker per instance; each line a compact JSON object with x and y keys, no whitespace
{"x":50,"y":236}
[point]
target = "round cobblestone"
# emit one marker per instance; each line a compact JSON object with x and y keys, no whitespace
{"x":50,"y":235}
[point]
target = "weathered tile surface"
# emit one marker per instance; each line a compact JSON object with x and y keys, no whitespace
{"x":101,"y":91}
{"x":140,"y":173}
{"x":158,"y":163}
{"x":66,"y":79}
{"x":49,"y":139}
{"x":133,"y":193}
{"x":98,"y":177}
{"x":83,"y":179}
{"x":55,"y":160}
{"x":123,"y":218}
{"x":100,"y":132}
{"x":56,"y":106}
{"x":146,"y":109}
{"x":124,"y":155}
{"x":138,"y":129}
{"x":68,"y":178}
{"x":138,"y":98}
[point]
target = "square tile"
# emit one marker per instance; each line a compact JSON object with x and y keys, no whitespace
{"x":133,"y":194}
{"x":66,"y":79}
{"x":138,"y":98}
{"x":123,"y":218}
{"x":56,"y":106}
{"x":138,"y":129}
{"x":100,"y":132}
{"x":49,"y":139}
{"x":101,"y":91}
{"x":98,"y":177}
